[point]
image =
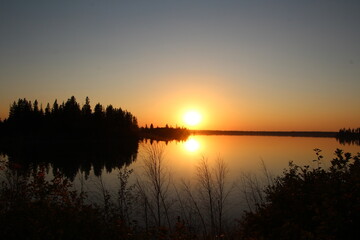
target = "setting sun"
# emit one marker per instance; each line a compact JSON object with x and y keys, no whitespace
{"x":192,"y":118}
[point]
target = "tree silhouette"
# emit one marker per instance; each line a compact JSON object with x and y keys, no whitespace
{"x":69,"y":120}
{"x":86,"y":109}
{"x":55,"y":109}
{"x":98,"y":111}
{"x":28,"y":134}
{"x":47,"y":110}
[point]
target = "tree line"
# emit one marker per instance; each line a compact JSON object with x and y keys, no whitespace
{"x":69,"y":136}
{"x":166,"y":133}
{"x":68,"y":120}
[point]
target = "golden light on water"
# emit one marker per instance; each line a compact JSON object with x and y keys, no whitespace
{"x":192,"y":118}
{"x":192,"y":145}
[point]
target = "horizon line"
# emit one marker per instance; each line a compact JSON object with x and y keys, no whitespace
{"x":329,"y":134}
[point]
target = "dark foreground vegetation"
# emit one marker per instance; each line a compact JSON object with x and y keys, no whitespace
{"x":303,"y":203}
{"x":309,"y":203}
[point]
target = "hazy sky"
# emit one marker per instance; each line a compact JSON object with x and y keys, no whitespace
{"x":246,"y":65}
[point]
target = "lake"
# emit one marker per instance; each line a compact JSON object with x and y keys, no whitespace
{"x":244,"y":156}
{"x":241,"y":154}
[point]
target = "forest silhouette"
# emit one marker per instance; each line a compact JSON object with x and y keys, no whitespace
{"x":71,"y":137}
{"x":67,"y":122}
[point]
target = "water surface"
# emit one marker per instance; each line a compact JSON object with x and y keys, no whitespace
{"x":242,"y":155}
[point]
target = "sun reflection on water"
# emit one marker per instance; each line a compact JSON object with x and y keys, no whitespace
{"x":192,"y":145}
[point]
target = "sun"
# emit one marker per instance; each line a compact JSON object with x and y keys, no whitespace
{"x":192,"y":118}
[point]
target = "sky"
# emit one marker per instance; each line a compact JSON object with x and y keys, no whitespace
{"x":243,"y":65}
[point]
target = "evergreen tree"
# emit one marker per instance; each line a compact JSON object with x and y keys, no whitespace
{"x":86,"y":109}
{"x":47,"y":110}
{"x":55,"y":108}
{"x":98,"y":111}
{"x":71,"y":107}
{"x":110,"y":111}
{"x":36,"y":106}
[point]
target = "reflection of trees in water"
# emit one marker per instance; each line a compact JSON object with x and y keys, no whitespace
{"x":345,"y":141}
{"x":349,"y":136}
{"x":68,"y":137}
{"x":69,"y":159}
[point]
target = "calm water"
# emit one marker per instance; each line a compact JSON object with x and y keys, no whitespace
{"x":243,"y":155}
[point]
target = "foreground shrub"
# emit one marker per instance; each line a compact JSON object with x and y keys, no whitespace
{"x":310,"y":203}
{"x":32,"y":207}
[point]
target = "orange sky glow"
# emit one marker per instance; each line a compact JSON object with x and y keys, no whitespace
{"x":244,"y":65}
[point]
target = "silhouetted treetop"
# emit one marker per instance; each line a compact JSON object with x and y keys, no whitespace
{"x":86,"y":108}
{"x":69,"y":120}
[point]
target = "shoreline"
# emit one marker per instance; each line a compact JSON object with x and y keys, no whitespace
{"x":266,"y":133}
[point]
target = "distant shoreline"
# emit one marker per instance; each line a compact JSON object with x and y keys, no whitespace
{"x":266,"y":133}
